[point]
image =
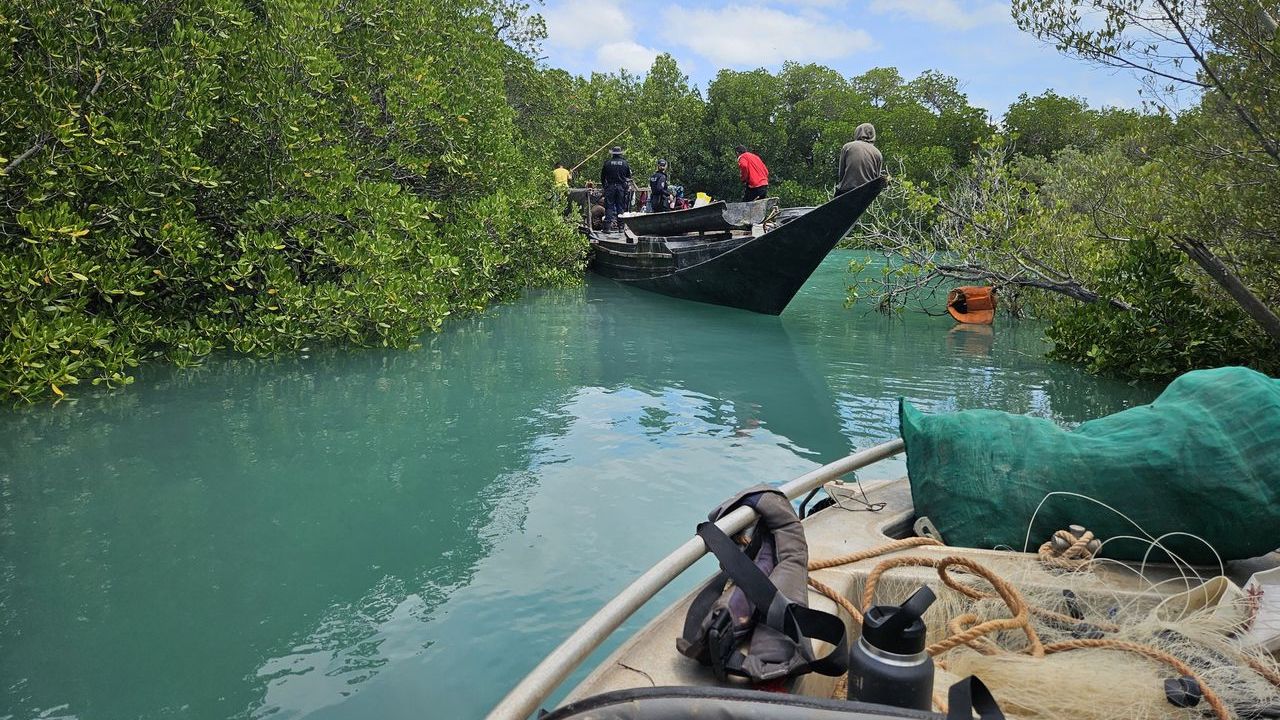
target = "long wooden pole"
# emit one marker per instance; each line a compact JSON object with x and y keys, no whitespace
{"x":585,"y":159}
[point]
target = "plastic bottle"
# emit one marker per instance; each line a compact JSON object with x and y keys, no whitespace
{"x":888,"y":664}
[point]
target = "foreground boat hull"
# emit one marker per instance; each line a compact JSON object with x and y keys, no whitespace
{"x":757,"y":273}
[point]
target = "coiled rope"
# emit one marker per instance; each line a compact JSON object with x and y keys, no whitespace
{"x":1071,"y":549}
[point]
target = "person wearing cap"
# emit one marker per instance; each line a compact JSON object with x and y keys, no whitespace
{"x":755,"y":176}
{"x":659,"y":189}
{"x":615,"y":177}
{"x":860,"y":160}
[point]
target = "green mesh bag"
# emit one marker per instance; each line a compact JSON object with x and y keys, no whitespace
{"x":1204,"y":458}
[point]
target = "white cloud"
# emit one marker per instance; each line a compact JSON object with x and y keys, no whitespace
{"x":626,"y":54}
{"x":577,"y":25}
{"x":950,"y":14}
{"x":754,"y":36}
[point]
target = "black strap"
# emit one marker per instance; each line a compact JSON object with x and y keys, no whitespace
{"x":744,"y":573}
{"x":971,"y":695}
{"x":797,"y":622}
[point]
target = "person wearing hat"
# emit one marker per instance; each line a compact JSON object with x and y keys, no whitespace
{"x":615,"y":177}
{"x":659,"y":189}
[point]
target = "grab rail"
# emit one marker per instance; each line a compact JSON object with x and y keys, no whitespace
{"x":525,"y":697}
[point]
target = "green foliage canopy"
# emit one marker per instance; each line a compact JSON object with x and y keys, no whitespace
{"x":204,"y":174}
{"x":1150,"y":241}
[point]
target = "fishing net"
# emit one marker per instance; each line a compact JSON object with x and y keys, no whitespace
{"x":1203,"y":458}
{"x":1103,"y":653}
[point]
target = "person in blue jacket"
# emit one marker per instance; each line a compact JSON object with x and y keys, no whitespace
{"x":660,"y":189}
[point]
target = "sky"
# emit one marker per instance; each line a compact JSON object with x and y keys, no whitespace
{"x":975,"y":41}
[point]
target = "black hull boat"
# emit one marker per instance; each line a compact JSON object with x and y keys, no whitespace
{"x":716,"y":217}
{"x":758,"y":270}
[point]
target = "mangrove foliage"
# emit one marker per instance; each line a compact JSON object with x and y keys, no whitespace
{"x":182,"y":177}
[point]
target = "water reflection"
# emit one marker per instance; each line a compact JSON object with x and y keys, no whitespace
{"x":361,"y":534}
{"x":975,"y":340}
{"x":749,"y":367}
{"x":167,"y":540}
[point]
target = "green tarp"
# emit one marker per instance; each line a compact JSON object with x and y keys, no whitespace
{"x":1204,"y":458}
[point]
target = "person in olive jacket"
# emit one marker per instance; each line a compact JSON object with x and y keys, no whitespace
{"x":860,"y":160}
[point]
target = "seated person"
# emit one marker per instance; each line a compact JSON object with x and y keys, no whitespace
{"x":583,"y":199}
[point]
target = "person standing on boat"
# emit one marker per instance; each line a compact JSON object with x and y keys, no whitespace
{"x":659,"y":189}
{"x":615,"y":177}
{"x":562,"y":176}
{"x":755,"y":176}
{"x":860,"y":160}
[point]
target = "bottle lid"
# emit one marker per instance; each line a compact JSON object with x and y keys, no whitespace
{"x":898,"y":630}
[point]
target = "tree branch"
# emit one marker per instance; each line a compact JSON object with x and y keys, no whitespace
{"x":14,"y":163}
{"x":1232,"y":283}
{"x":1267,"y":143}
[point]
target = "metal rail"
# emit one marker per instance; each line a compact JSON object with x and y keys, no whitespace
{"x":525,"y":697}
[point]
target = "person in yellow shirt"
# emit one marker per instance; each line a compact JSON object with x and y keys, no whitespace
{"x":562,"y":176}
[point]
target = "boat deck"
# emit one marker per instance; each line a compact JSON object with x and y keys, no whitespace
{"x":649,"y":658}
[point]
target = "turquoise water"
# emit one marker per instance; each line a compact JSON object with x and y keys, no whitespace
{"x":404,"y":534}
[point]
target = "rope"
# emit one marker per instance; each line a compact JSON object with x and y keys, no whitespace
{"x":1211,"y":697}
{"x":1020,"y":619}
{"x":966,"y":630}
{"x":876,"y":551}
{"x":1068,"y":550}
{"x":841,"y":600}
{"x":1268,"y":674}
{"x":939,"y":703}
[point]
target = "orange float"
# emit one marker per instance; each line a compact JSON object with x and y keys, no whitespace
{"x":972,"y":304}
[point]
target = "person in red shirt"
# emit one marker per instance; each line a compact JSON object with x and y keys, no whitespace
{"x":755,"y":176}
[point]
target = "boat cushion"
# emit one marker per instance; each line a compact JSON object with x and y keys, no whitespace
{"x":1203,"y":458}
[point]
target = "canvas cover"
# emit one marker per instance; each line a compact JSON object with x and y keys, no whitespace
{"x":1203,"y":458}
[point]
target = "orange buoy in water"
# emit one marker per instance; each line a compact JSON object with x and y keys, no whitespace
{"x":972,"y":304}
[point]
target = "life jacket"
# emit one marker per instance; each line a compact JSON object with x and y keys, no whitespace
{"x":767,"y":606}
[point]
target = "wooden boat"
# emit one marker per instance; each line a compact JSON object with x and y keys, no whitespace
{"x":647,"y":664}
{"x":760,"y":269}
{"x":718,"y":216}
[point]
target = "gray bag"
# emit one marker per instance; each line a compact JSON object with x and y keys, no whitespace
{"x":766,"y":607}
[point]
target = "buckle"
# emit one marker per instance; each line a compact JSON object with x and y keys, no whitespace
{"x":720,"y":643}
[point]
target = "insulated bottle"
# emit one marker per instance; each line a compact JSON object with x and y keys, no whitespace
{"x":888,"y":664}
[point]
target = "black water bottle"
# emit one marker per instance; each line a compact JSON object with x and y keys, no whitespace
{"x":888,"y":664}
